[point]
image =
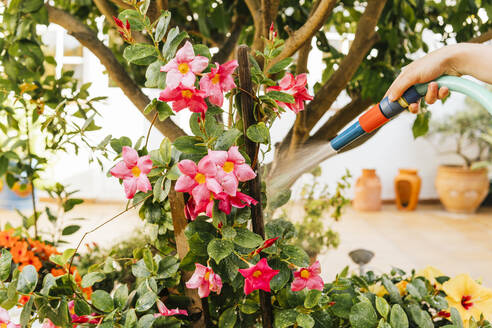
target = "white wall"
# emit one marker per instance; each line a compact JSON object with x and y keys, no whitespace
{"x":392,"y":148}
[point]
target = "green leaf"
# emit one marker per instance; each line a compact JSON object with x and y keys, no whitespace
{"x":229,"y":232}
{"x":131,"y":319}
{"x":118,"y":144}
{"x":162,"y":25}
{"x":258,"y":133}
{"x":281,"y":96}
{"x":102,"y":300}
{"x":146,"y":301}
{"x":247,"y":238}
{"x":281,"y":65}
{"x":228,"y":318}
{"x":28,"y":280}
{"x":164,"y":110}
{"x":249,"y":307}
{"x":26,"y":312}
{"x":91,"y":278}
{"x":158,"y":186}
{"x":168,"y":267}
{"x":5,"y":264}
{"x":383,"y":324}
{"x":398,"y":317}
{"x":81,"y":307}
{"x":393,"y":291}
{"x":362,"y":315}
{"x":152,"y":75}
{"x":420,"y":317}
{"x":219,"y":249}
{"x":227,"y":139}
{"x":69,"y":230}
{"x":173,"y":40}
{"x":285,"y":318}
{"x":312,"y":298}
{"x":140,"y":54}
{"x":146,"y":321}
{"x":280,"y":199}
{"x":382,"y":306}
{"x":305,"y":320}
{"x":61,"y":260}
{"x":29,"y":6}
{"x":71,"y":203}
{"x":201,"y":50}
{"x":121,"y":296}
{"x":165,"y":150}
{"x":148,"y":260}
{"x":133,"y":18}
{"x":139,"y":270}
{"x":421,"y":124}
{"x":456,"y":318}
{"x":296,"y":255}
{"x":189,"y":145}
{"x":343,"y":305}
{"x":283,"y":277}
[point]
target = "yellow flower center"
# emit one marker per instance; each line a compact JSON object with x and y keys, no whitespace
{"x":183,"y":68}
{"x":136,"y":171}
{"x":3,"y":325}
{"x":257,"y":273}
{"x":305,"y":274}
{"x":228,"y":167}
{"x":206,"y":277}
{"x":187,"y":93}
{"x":216,"y":79}
{"x":200,"y":178}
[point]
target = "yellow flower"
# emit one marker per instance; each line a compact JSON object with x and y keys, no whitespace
{"x":402,"y":287}
{"x":378,"y":289}
{"x":431,"y":273}
{"x":468,"y":297}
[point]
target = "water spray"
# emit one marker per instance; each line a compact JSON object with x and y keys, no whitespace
{"x":372,"y":119}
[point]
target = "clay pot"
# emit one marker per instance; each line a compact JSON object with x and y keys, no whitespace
{"x":461,"y":189}
{"x":22,"y":189}
{"x":367,"y":196}
{"x":407,"y":189}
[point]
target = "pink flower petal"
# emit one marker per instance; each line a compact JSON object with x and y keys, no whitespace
{"x":173,"y":79}
{"x":185,"y":53}
{"x":315,"y":282}
{"x":144,"y":163}
{"x":188,"y":79}
{"x":198,"y":64}
{"x":4,"y":315}
{"x":203,"y":290}
{"x":121,"y":171}
{"x":130,"y":156}
{"x":287,"y":81}
{"x":185,"y":184}
{"x":188,"y":167}
{"x":230,"y":184}
{"x":244,"y":172}
{"x":213,"y":185}
{"x":298,"y":284}
{"x":207,"y":166}
{"x":201,"y":194}
{"x":219,"y":157}
{"x":143,"y":183}
{"x":171,"y":65}
{"x":235,"y":156}
{"x":130,"y":186}
{"x":315,"y":268}
{"x":227,"y":83}
{"x":225,"y":206}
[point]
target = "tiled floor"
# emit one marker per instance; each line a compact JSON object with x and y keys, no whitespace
{"x":454,"y":243}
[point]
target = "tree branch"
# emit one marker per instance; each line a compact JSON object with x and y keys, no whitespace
{"x":269,"y":9}
{"x":255,"y":10}
{"x":162,"y":5}
{"x":486,"y":36}
{"x":230,"y":44}
{"x":312,"y":25}
{"x":88,"y":38}
{"x":121,"y":4}
{"x":365,"y":38}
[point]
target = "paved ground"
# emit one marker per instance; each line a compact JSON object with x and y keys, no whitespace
{"x":454,"y":243}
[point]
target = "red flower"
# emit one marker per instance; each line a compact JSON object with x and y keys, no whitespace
{"x":185,"y":97}
{"x":124,"y":30}
{"x":258,"y":276}
{"x":266,"y":244}
{"x":296,"y":87}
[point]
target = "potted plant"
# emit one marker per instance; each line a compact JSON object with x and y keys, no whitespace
{"x":463,"y":187}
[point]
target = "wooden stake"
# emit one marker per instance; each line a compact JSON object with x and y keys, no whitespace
{"x":254,"y":186}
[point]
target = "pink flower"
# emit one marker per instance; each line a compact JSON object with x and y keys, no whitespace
{"x":258,"y":276}
{"x":183,"y":67}
{"x":206,"y":280}
{"x":198,"y":180}
{"x":232,"y":169}
{"x":165,"y":312}
{"x":133,"y":171}
{"x":296,"y":87}
{"x":308,"y":278}
{"x":185,"y":97}
{"x":218,"y":81}
{"x":239,"y":201}
{"x":82,"y":318}
{"x":5,"y":320}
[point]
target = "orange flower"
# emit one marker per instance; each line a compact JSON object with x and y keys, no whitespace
{"x":6,"y":238}
{"x":58,"y":272}
{"x":24,"y":299}
{"x":31,"y":260}
{"x":19,"y":252}
{"x":88,"y":292}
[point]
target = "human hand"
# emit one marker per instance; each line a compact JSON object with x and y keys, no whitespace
{"x":424,"y":70}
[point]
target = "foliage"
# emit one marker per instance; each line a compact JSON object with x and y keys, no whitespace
{"x":467,"y":129}
{"x":318,"y":203}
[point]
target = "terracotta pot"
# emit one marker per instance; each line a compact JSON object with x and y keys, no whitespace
{"x":407,"y":189}
{"x":367,"y":195}
{"x":461,"y":189}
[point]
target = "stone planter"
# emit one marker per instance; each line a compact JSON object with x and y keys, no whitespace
{"x":407,"y":189}
{"x":367,"y":196}
{"x":461,"y":189}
